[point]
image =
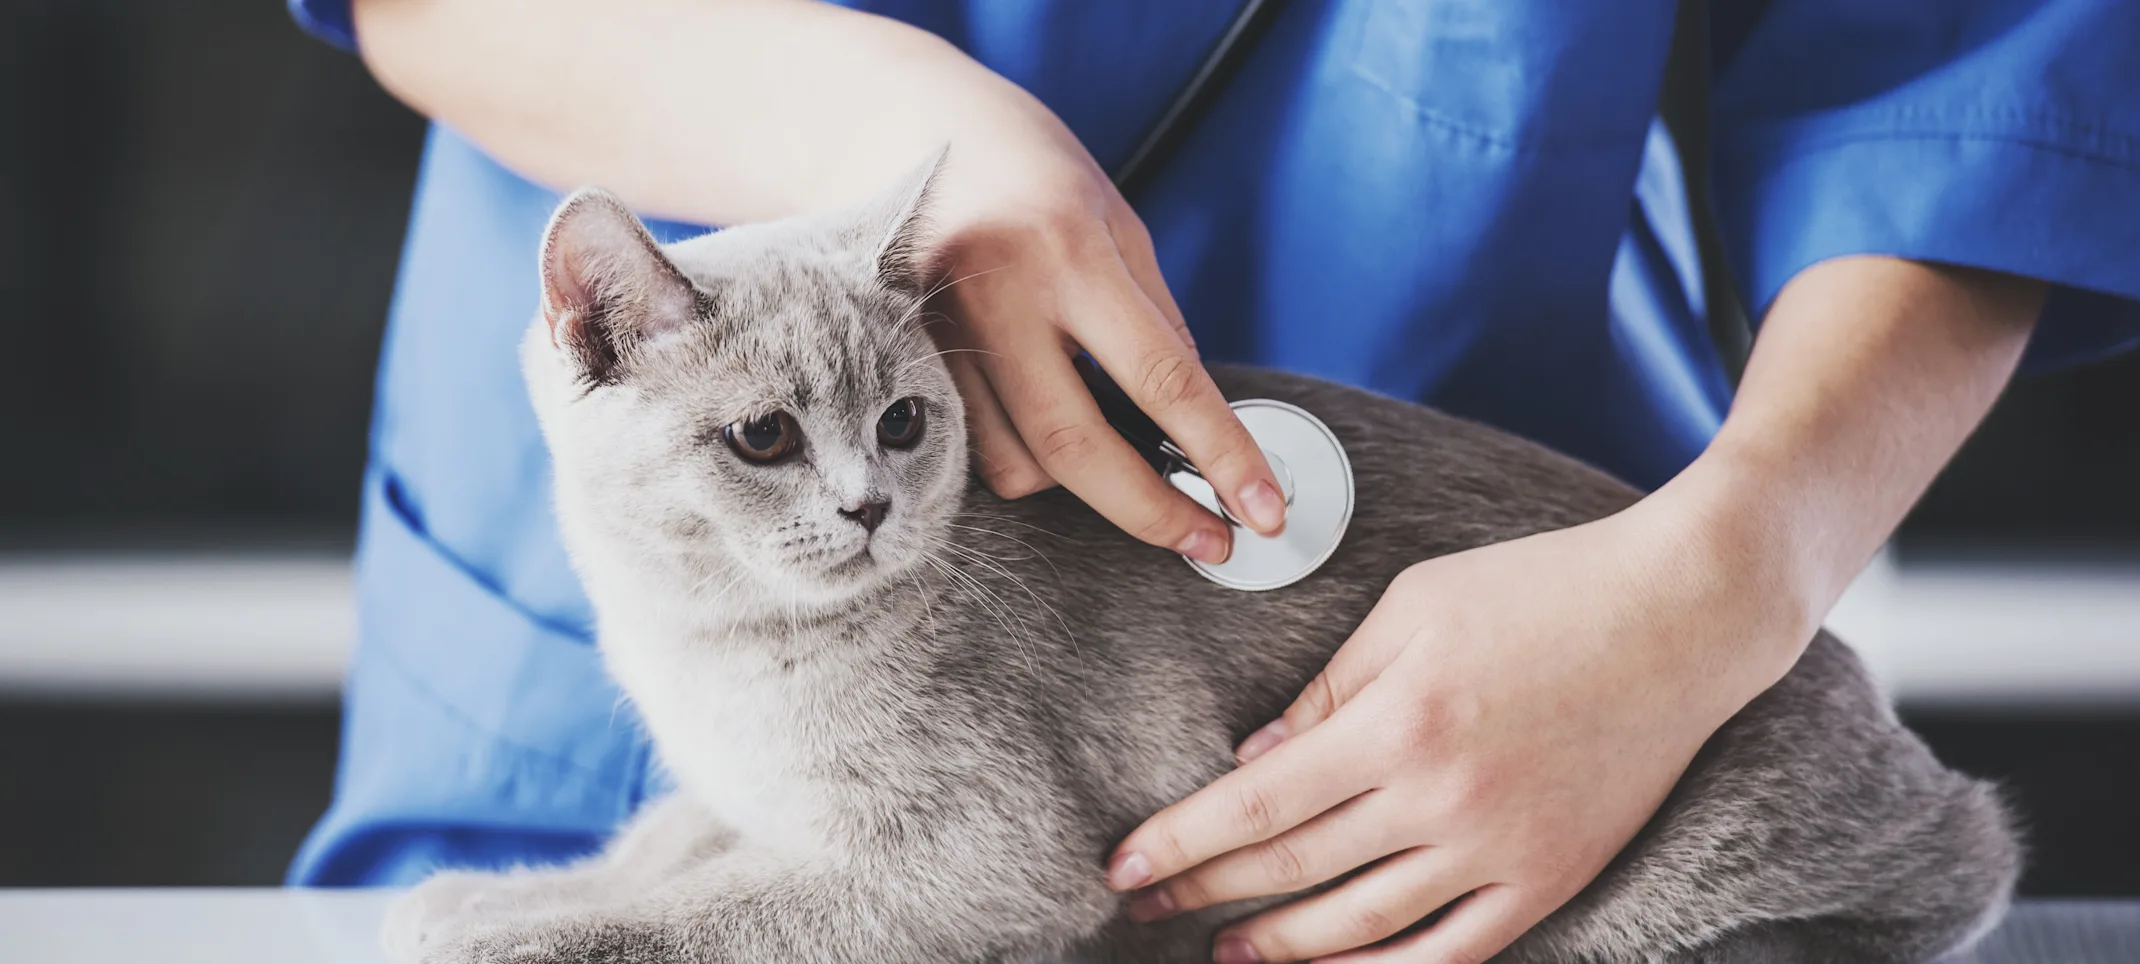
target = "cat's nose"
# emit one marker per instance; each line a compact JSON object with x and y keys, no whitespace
{"x":870,"y":513}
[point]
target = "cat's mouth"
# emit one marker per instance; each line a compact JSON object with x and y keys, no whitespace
{"x":838,"y":572}
{"x":857,"y":566}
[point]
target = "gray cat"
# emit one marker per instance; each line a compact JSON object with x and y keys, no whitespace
{"x":908,"y":720}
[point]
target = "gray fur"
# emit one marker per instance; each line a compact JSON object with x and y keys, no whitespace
{"x":923,"y":753}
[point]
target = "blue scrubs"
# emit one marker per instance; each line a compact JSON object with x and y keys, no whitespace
{"x":1466,"y":203}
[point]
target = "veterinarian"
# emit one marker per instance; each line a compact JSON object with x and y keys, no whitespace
{"x":1469,"y":204}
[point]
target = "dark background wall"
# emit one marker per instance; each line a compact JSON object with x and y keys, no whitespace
{"x":200,"y":212}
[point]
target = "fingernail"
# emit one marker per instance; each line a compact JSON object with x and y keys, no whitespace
{"x":1233,"y":950}
{"x":1129,"y":872}
{"x":1204,"y":545}
{"x":1261,"y":741}
{"x":1265,"y":507}
{"x":1151,"y":905}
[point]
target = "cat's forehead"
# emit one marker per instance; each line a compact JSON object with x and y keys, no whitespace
{"x":798,"y":332}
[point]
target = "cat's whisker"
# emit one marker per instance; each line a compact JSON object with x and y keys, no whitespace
{"x":1042,"y":556}
{"x":998,"y":609}
{"x":983,"y":559}
{"x":928,"y":603}
{"x":998,"y":566}
{"x":903,"y":369}
{"x":725,"y":590}
{"x":958,"y":581}
{"x":703,"y":580}
{"x":940,"y":288}
{"x":922,"y":321}
{"x":946,"y":284}
{"x":1043,"y":530}
{"x":711,"y":575}
{"x":1004,"y":616}
{"x":794,"y":612}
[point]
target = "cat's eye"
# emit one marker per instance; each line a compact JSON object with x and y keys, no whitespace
{"x":765,"y":439}
{"x":900,"y":426}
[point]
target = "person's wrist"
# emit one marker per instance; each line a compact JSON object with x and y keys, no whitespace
{"x":1727,"y":539}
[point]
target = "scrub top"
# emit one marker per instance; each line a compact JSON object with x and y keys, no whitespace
{"x":1466,"y":202}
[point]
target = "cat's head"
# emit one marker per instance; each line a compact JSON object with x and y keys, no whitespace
{"x":759,"y":405}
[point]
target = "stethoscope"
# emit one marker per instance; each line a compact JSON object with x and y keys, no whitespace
{"x":1314,"y":476}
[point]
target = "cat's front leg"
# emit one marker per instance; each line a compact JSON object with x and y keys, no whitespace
{"x":667,"y":836}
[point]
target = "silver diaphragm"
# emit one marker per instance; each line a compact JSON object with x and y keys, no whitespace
{"x":1315,"y":478}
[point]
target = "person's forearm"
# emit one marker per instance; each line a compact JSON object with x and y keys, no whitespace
{"x":1868,"y":374}
{"x":718,"y":111}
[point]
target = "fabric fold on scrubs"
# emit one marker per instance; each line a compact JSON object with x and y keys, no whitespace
{"x":1996,"y":135}
{"x":473,"y":735}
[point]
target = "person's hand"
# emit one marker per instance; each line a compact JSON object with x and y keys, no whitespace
{"x":1042,"y":257}
{"x":1499,"y":727}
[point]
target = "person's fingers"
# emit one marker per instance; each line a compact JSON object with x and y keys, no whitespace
{"x":1380,"y":902}
{"x":1134,"y":343}
{"x":1476,"y":929}
{"x":1000,"y":456}
{"x":1063,"y":429}
{"x":1381,"y":636}
{"x":1248,"y":806}
{"x":1350,"y":835}
{"x":1135,"y":243}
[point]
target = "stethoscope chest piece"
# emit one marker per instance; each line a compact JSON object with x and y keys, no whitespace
{"x":1315,"y":478}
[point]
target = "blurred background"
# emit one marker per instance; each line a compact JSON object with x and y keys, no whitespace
{"x":200,"y":212}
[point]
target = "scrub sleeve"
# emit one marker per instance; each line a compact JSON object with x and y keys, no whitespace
{"x":1998,"y":134}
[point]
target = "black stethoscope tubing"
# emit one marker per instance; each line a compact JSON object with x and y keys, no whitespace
{"x":1195,"y":97}
{"x":1160,"y":141}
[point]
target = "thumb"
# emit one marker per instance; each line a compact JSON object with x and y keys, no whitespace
{"x":1372,"y":647}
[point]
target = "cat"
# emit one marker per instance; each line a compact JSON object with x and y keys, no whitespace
{"x":907,"y":720}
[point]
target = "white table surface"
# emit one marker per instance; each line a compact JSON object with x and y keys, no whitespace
{"x":191,"y":926}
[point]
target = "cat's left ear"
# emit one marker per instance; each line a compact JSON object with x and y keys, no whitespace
{"x":898,"y":225}
{"x":607,"y":288}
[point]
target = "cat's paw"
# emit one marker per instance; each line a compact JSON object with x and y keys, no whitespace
{"x":424,"y":917}
{"x":566,"y":940}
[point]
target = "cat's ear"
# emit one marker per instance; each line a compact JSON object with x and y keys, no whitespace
{"x":606,"y":286}
{"x":898,"y":229}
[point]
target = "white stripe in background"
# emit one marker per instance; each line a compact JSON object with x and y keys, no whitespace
{"x":214,"y":627}
{"x":278,"y":627}
{"x":1988,"y":635}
